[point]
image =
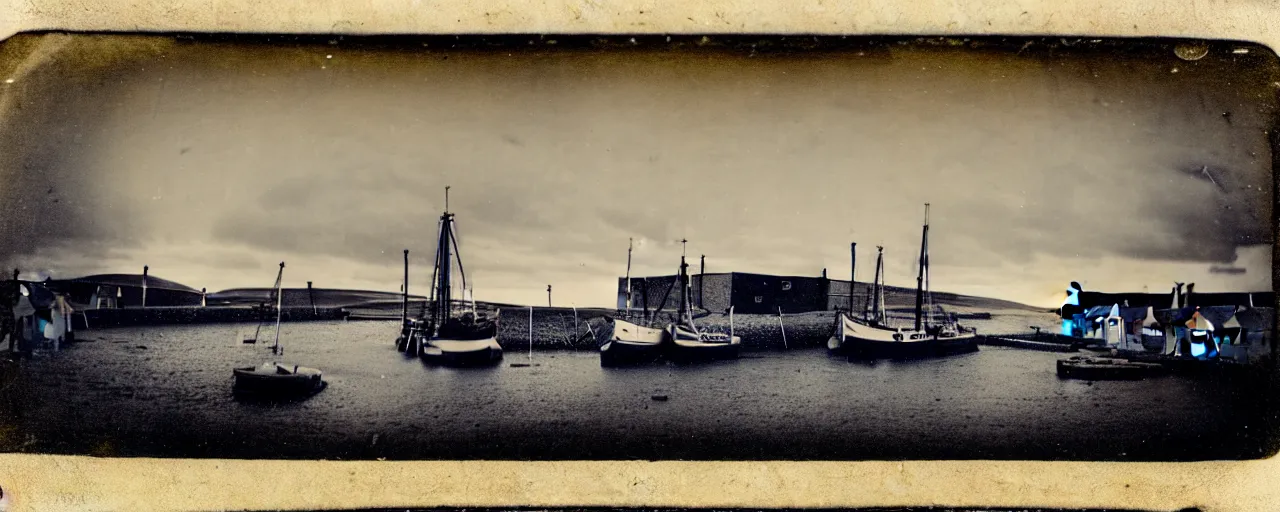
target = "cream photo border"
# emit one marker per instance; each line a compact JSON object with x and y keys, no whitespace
{"x":55,"y":483}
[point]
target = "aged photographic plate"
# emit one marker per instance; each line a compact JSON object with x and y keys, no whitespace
{"x":615,"y":270}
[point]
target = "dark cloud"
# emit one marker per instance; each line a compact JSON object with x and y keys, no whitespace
{"x":52,"y":112}
{"x":766,"y":165}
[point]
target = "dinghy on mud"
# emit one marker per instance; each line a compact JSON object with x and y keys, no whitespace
{"x":274,"y":379}
{"x":278,"y":379}
{"x":873,"y":336}
{"x":453,"y":335}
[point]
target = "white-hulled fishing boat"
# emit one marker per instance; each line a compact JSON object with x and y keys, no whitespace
{"x":685,"y":341}
{"x":273,"y":378}
{"x":453,"y":336}
{"x":874,"y":337}
{"x":624,"y":343}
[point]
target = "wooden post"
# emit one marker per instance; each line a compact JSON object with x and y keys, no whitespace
{"x":204,"y":293}
{"x":145,"y":269}
{"x":404,"y":306}
{"x":311,"y":296}
{"x":530,"y":333}
{"x":702,"y":280}
{"x":548,"y":295}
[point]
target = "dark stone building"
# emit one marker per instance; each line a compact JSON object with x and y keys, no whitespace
{"x":746,"y":293}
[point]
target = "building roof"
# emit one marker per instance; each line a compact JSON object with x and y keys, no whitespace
{"x":1256,"y":319}
{"x":1231,"y":299}
{"x":130,"y":280}
{"x":1174,"y":316}
{"x":1133,"y":314}
{"x":1217,"y":315}
{"x":39,"y":295}
{"x":1097,"y":312}
{"x":1135,"y":300}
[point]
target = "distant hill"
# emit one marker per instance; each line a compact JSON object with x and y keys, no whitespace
{"x":900,"y":297}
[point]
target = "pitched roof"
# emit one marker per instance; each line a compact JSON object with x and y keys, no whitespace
{"x":1217,"y":315}
{"x":1256,"y":319}
{"x":1231,"y":299}
{"x":1174,"y":316}
{"x":1133,"y":314}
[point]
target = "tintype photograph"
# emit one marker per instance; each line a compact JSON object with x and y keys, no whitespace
{"x":638,"y":248}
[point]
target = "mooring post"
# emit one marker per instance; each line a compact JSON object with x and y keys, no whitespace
{"x":530,"y":333}
{"x":784,"y":329}
{"x":145,"y":269}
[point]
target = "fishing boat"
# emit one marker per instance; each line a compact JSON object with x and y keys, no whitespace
{"x":453,"y":334}
{"x":875,"y":336}
{"x":274,"y":378}
{"x":684,"y":340}
{"x":626,"y":343}
{"x":623,"y":343}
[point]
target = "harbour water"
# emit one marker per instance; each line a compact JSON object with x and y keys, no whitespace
{"x":166,"y":392}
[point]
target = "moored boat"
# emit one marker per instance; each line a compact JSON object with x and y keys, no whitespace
{"x":452,"y":335}
{"x":273,"y":378}
{"x":625,"y":343}
{"x":685,"y":341}
{"x":874,"y":335}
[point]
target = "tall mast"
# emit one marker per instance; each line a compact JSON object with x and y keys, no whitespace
{"x":875,"y":300}
{"x":684,"y":283}
{"x":924,"y":266}
{"x":853,"y":272}
{"x":279,"y":307}
{"x":630,"y":244}
{"x":443,"y":288}
{"x":881,"y":314}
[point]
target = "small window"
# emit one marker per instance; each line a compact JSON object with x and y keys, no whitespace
{"x":759,"y":299}
{"x":786,"y":285}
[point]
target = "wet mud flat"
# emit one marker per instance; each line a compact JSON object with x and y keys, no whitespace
{"x":166,"y":392}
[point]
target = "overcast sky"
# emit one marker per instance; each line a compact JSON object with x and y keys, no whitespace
{"x":212,"y":163}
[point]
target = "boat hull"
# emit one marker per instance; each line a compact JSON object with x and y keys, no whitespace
{"x":859,"y":341}
{"x":255,"y":381}
{"x":686,"y":346}
{"x":483,"y":352}
{"x":630,"y":344}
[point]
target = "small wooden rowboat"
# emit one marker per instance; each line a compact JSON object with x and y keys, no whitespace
{"x":278,"y":379}
{"x":1106,"y":368}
